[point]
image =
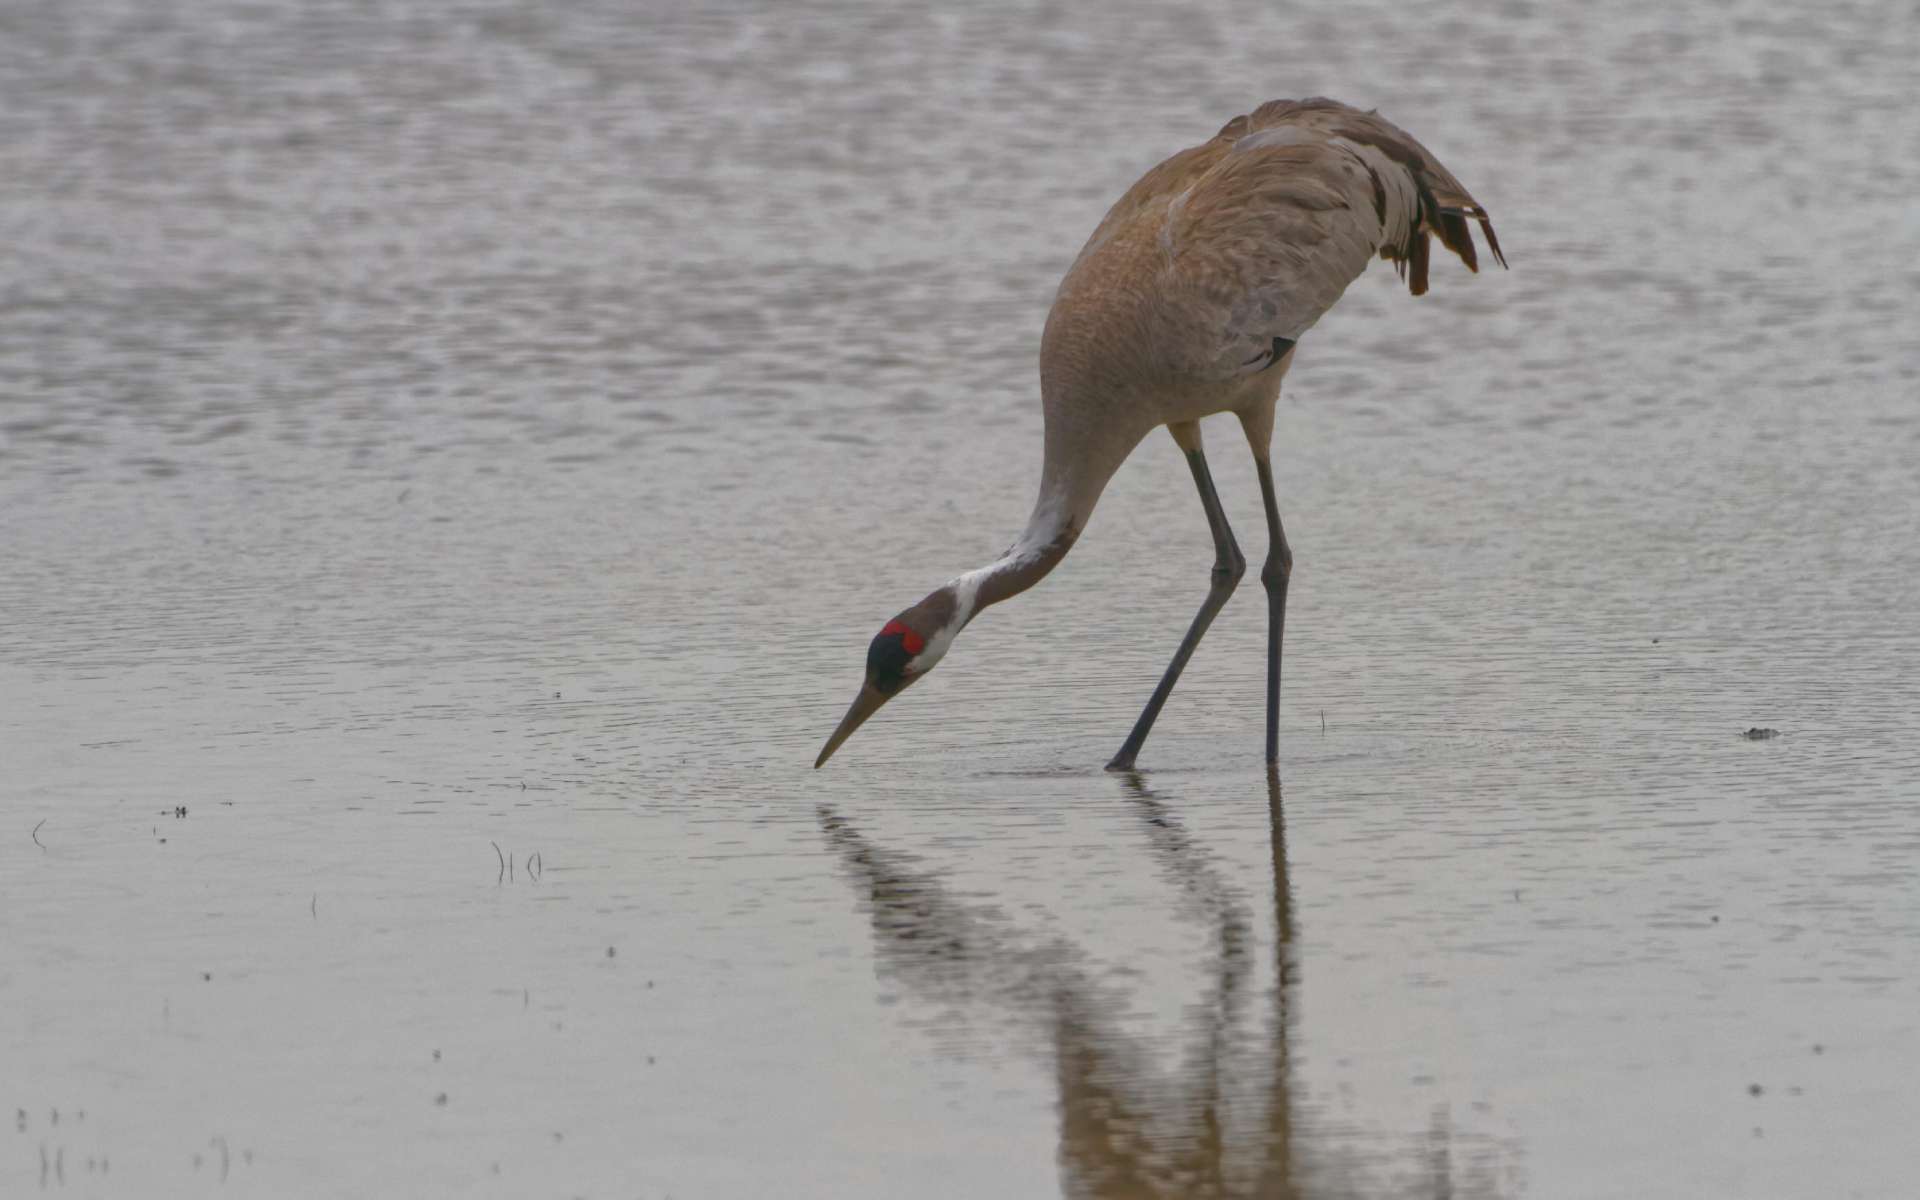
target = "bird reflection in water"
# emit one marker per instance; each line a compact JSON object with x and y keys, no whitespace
{"x":1226,"y":1124}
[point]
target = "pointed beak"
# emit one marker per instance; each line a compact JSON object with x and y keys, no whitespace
{"x":865,"y":705}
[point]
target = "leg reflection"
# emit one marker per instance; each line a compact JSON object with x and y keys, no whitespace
{"x":1223,"y":1123}
{"x":1276,"y":1172}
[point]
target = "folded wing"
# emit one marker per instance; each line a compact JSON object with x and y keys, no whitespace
{"x":1266,"y":225}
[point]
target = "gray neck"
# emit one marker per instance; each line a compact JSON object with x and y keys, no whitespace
{"x":1070,"y":485}
{"x":1049,"y":534}
{"x":1079,"y":459}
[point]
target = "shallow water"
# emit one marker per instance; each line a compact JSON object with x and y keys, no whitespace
{"x":452,"y":458}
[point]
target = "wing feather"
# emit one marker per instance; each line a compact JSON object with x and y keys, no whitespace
{"x":1259,"y":230}
{"x":1261,"y":246}
{"x":1281,"y":211}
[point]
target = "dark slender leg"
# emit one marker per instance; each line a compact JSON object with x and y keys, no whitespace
{"x":1274,"y":575}
{"x":1228,"y":566}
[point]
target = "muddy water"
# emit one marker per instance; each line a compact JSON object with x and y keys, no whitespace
{"x":452,"y":458}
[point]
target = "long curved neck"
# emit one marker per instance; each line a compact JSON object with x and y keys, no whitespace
{"x":1050,"y":533}
{"x":1070,"y":485}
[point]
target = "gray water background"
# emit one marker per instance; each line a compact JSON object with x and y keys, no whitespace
{"x":440,"y":437}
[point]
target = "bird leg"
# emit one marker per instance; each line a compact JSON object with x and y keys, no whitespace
{"x":1274,"y":575}
{"x":1228,"y":566}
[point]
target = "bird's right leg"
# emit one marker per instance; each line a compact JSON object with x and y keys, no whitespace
{"x":1274,"y":576}
{"x":1228,"y":566}
{"x":1257,"y":422}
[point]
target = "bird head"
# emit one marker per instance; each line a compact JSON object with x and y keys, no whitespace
{"x":904,"y":650}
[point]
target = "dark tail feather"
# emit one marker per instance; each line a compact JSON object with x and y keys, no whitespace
{"x":1493,"y":243}
{"x":1454,"y":236}
{"x":1454,"y":232}
{"x":1412,"y":257}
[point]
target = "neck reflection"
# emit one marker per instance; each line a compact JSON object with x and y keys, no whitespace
{"x":1223,"y":1123}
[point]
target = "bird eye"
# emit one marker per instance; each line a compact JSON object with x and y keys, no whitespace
{"x":888,"y":656}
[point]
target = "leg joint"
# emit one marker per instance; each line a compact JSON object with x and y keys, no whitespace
{"x":1279,"y":568}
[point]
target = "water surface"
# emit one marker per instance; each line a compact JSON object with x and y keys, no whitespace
{"x":453,"y":456}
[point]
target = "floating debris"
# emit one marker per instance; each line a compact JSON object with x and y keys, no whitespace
{"x":1760,"y":734}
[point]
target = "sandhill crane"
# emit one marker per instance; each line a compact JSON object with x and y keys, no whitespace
{"x":1187,"y":301}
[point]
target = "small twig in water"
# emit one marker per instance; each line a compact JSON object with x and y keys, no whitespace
{"x":36,"y":835}
{"x":503,"y":860}
{"x":314,"y":908}
{"x":1323,"y":722}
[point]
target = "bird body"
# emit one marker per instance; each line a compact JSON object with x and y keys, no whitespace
{"x":1188,"y":301}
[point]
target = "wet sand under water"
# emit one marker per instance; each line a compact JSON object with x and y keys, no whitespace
{"x":451,"y":464}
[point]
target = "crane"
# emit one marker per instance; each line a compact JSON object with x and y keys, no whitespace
{"x":1189,"y":300}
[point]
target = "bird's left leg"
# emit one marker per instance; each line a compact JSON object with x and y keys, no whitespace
{"x":1258,"y":424}
{"x":1228,"y":566}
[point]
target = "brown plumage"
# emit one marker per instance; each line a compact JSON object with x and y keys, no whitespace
{"x":1187,"y":301}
